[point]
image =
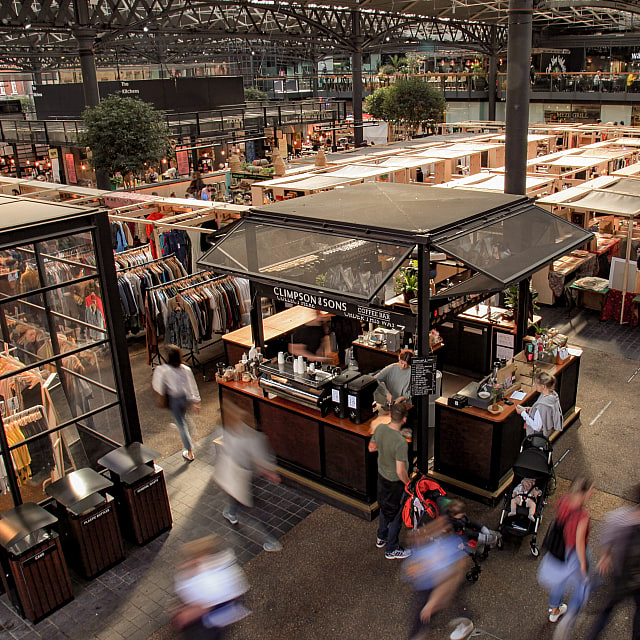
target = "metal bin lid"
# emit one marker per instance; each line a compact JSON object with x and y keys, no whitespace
{"x":125,"y":459}
{"x":19,"y":522}
{"x":77,"y":486}
{"x":363,"y":382}
{"x":345,"y":378}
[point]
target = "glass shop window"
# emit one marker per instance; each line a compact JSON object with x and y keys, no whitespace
{"x":58,"y":400}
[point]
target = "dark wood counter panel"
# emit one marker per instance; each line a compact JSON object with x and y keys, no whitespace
{"x":329,"y":455}
{"x":475,"y":449}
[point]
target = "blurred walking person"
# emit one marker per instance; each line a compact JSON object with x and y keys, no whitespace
{"x":177,"y":391}
{"x":560,"y":576}
{"x":210,"y":585}
{"x":436,"y":569}
{"x":620,"y":542}
{"x":244,"y":452}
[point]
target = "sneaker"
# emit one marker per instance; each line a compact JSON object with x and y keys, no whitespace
{"x":554,"y":617}
{"x":463,"y":630}
{"x":398,"y":554}
{"x":231,"y":517}
{"x":271,"y":545}
{"x":380,"y":542}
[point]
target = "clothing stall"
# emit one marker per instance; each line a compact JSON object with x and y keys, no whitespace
{"x":66,"y":393}
{"x":610,"y":205}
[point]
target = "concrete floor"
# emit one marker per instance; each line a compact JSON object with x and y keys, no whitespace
{"x":330,"y":580}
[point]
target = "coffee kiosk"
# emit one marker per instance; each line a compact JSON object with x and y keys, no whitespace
{"x":337,"y":253}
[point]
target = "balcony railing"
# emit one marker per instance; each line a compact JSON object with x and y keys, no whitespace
{"x":458,"y":84}
{"x":201,"y":125}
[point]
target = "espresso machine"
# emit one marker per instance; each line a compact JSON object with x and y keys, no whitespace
{"x":339,"y":392}
{"x":360,"y":394}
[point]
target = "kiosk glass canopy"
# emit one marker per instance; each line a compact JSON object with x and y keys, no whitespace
{"x":340,"y":264}
{"x":510,"y":248}
{"x":351,"y":241}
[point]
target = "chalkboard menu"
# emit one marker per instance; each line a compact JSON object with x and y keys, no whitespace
{"x":423,"y":375}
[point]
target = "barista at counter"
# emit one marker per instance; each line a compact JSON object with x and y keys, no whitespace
{"x":312,"y":341}
{"x":394,"y":381}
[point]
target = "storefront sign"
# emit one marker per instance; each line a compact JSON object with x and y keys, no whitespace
{"x":423,"y":375}
{"x":182,"y":160}
{"x":341,"y":307}
{"x":70,"y":165}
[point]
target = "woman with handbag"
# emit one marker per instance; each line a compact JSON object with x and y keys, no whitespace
{"x":244,"y":452}
{"x":560,"y":576}
{"x":177,"y":391}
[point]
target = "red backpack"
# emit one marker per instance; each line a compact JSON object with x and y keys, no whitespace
{"x":422,"y":503}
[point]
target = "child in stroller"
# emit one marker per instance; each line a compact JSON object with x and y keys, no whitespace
{"x":478,"y":539}
{"x":533,"y":481}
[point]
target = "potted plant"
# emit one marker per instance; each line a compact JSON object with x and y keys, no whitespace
{"x":407,"y":281}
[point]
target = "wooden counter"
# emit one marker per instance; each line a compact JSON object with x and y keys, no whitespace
{"x":475,"y":449}
{"x":327,"y":455}
{"x":240,"y":341}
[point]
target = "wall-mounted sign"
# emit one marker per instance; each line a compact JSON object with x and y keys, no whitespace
{"x":182,"y":160}
{"x":423,"y":375}
{"x":70,"y":165}
{"x":339,"y":306}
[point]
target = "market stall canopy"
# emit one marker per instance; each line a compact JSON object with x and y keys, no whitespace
{"x":17,"y":212}
{"x":362,"y":171}
{"x":491,"y":182}
{"x":351,"y":240}
{"x":631,"y":170}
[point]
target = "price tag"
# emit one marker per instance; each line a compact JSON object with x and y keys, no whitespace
{"x":352,"y":402}
{"x":335,"y":395}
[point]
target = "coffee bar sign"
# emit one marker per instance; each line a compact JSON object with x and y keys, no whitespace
{"x":348,"y":309}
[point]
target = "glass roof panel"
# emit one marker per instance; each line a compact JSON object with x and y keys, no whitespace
{"x":309,"y":259}
{"x":517,"y":245}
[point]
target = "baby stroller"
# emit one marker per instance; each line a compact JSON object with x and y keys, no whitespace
{"x":426,"y":500}
{"x":535,"y":462}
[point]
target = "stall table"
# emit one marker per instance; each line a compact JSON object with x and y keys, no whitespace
{"x":240,"y":341}
{"x":475,"y":449}
{"x":588,"y":298}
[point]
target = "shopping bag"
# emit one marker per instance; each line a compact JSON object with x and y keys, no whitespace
{"x":233,"y":479}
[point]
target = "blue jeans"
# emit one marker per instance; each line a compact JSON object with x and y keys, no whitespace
{"x":572,"y":578}
{"x":178,"y":406}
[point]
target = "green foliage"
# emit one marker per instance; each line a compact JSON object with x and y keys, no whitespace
{"x":388,"y":70}
{"x":252,"y":94}
{"x":409,"y":102}
{"x":374,"y":103}
{"x":125,"y":135}
{"x":407,"y":278}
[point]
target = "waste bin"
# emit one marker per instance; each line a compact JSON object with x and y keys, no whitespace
{"x":140,"y":491}
{"x":88,"y":521}
{"x":34,"y":572}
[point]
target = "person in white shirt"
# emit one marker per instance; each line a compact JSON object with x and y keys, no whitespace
{"x":176,"y":386}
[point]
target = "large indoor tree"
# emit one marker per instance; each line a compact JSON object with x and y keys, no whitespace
{"x":125,"y":135}
{"x":408,"y":102}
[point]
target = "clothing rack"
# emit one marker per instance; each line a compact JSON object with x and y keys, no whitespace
{"x":173,"y":282}
{"x":216,"y":279}
{"x":132,"y":250}
{"x":191,"y":358}
{"x":145,"y":264}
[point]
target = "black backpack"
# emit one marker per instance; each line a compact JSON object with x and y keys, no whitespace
{"x":554,"y":540}
{"x":630,"y":579}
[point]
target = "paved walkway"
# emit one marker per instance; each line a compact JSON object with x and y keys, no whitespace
{"x":131,"y":600}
